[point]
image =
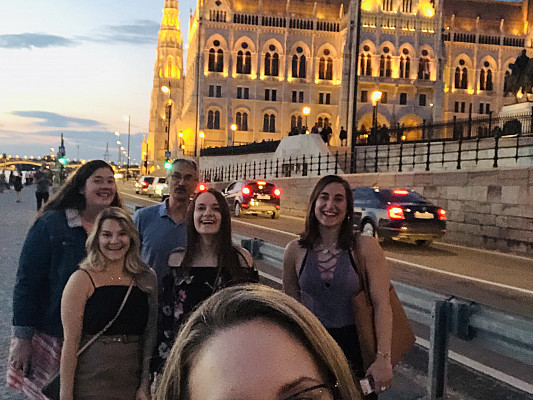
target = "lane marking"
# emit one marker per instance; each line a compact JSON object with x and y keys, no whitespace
{"x":495,"y":252}
{"x":265,"y":228}
{"x":465,"y":277}
{"x":477,"y":366}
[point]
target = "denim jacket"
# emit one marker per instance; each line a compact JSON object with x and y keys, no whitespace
{"x":53,"y":249}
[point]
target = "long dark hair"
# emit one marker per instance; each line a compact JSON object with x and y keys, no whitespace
{"x":311,"y":234}
{"x":70,"y":196}
{"x":228,"y":261}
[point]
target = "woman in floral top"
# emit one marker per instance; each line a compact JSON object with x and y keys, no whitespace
{"x":203,"y":268}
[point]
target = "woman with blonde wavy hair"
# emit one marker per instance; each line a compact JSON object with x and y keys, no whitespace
{"x":254,"y":342}
{"x":116,"y":365}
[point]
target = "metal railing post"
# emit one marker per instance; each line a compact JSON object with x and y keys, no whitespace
{"x":336,"y":161}
{"x":428,"y":154}
{"x":327,"y":162}
{"x":277,"y":167}
{"x":318,"y":170}
{"x":254,"y":169}
{"x":376,"y":159}
{"x":414,"y":155}
{"x":496,"y":143}
{"x":459,"y":152}
{"x":304,"y":166}
{"x":438,"y":350}
{"x":401,"y":157}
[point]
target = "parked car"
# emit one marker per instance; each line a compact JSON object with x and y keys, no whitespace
{"x":397,"y":214}
{"x":253,"y":197}
{"x":156,"y":187}
{"x":141,"y":186}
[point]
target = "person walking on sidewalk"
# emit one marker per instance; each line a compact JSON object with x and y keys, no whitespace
{"x":43,"y":180}
{"x":54,"y":246}
{"x":17,"y":185}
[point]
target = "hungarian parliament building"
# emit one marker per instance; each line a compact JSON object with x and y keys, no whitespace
{"x":257,"y":69}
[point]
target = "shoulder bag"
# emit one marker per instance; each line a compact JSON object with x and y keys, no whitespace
{"x":51,"y":389}
{"x":402,"y":339}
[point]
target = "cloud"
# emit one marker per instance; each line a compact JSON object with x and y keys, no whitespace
{"x":50,"y":119}
{"x":138,"y":32}
{"x":34,"y":40}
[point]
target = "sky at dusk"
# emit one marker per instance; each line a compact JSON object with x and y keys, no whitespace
{"x":77,"y":68}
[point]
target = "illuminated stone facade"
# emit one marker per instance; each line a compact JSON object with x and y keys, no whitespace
{"x":261,"y":62}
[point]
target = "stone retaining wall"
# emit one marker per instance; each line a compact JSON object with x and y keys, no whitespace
{"x":490,"y":208}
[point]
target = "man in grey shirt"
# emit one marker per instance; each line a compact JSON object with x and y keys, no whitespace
{"x":162,"y":226}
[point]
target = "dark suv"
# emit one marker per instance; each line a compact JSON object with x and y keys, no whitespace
{"x":253,"y":197}
{"x":397,"y":214}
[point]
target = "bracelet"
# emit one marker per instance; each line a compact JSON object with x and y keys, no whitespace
{"x":384,"y":355}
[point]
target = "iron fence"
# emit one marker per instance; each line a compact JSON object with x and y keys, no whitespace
{"x":514,"y":149}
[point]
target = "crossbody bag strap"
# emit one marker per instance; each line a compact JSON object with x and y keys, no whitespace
{"x":105,"y":328}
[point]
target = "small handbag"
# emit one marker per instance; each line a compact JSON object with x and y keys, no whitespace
{"x":402,"y":339}
{"x":52,"y":388}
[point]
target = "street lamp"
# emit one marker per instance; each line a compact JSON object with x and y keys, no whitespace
{"x":306,"y":112}
{"x":117,"y":134}
{"x":127,"y":118}
{"x":376,"y":97}
{"x":202,"y":136}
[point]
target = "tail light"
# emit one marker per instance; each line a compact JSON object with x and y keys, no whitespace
{"x":246,"y":190}
{"x":442,"y":214}
{"x":261,"y":183}
{"x":400,"y":191}
{"x":277,"y":192}
{"x":395,"y":212}
{"x":144,"y":184}
{"x":202,"y":187}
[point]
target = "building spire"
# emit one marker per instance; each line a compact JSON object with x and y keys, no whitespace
{"x":168,"y":75}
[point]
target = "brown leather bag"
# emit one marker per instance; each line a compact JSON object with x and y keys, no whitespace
{"x":403,"y":338}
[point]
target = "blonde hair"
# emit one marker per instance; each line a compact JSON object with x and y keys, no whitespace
{"x":96,"y":261}
{"x":243,"y":303}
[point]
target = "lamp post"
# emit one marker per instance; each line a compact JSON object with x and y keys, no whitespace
{"x":306,"y":112}
{"x":117,"y":134}
{"x":127,"y":117}
{"x":202,"y":136}
{"x":376,"y":97}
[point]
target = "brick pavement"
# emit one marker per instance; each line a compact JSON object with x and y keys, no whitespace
{"x":15,"y":219}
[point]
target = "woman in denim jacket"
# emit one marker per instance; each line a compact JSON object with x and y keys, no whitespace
{"x":53,"y":248}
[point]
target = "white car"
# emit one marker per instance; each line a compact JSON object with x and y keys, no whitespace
{"x":141,"y":186}
{"x":156,"y":187}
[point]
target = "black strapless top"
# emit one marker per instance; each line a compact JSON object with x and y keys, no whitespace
{"x":104,"y":303}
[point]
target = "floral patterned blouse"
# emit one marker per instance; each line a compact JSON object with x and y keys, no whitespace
{"x":179,"y":297}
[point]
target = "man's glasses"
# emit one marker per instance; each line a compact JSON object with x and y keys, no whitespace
{"x":318,"y":392}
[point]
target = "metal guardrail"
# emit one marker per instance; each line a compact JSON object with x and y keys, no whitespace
{"x":508,"y":335}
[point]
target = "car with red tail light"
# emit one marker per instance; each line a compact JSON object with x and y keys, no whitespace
{"x":141,"y":186}
{"x":398,"y":214}
{"x":253,"y":197}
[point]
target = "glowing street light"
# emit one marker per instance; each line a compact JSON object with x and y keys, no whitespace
{"x":306,"y":112}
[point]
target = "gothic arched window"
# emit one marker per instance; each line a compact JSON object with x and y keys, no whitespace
{"x":457,"y":79}
{"x":210,"y":120}
{"x":293,"y":121}
{"x":302,"y":68}
{"x":382,"y":65}
{"x":275,"y":64}
{"x":423,"y":68}
{"x":485,"y":79}
{"x":211,"y":63}
{"x":248,"y":63}
{"x":295,"y":66}
{"x":482,"y":79}
{"x":220,"y":61}
{"x":267,"y":63}
{"x":321,"y":68}
{"x":239,"y":65}
{"x":238,"y":120}
{"x":244,"y":125}
{"x":269,"y":123}
{"x":464,"y":78}
{"x":216,"y":122}
{"x":329,"y":69}
{"x":388,"y":66}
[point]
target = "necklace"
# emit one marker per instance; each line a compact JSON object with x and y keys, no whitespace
{"x":327,"y":249}
{"x":118,"y":278}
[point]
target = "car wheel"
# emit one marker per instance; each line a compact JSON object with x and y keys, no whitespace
{"x":368,"y":228}
{"x":275,"y":215}
{"x":423,"y":243}
{"x":237,"y":210}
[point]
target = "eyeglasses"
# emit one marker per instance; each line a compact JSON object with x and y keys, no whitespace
{"x":318,"y":392}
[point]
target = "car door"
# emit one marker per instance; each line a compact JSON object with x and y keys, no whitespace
{"x":362,"y":200}
{"x":229,"y":194}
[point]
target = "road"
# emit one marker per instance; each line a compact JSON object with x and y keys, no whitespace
{"x":501,"y":281}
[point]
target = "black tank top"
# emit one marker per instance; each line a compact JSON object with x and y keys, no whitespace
{"x":103,"y":305}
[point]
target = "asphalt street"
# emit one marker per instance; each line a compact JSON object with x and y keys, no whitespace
{"x":410,"y":376}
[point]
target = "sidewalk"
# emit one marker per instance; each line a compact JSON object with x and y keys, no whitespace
{"x":15,"y":219}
